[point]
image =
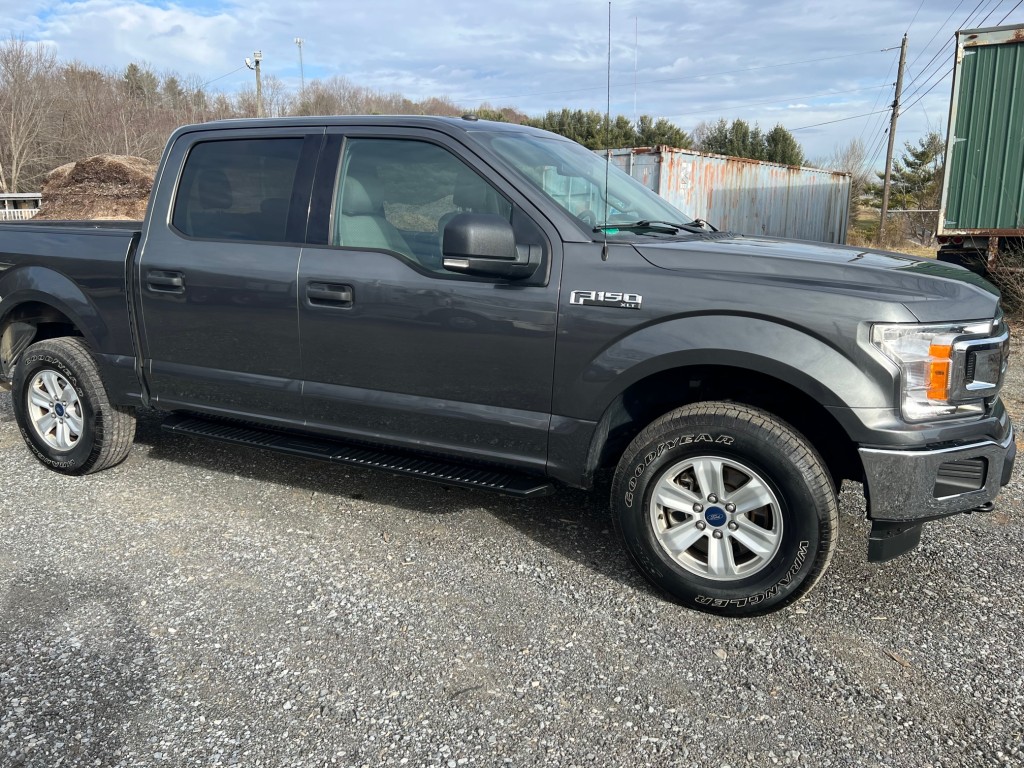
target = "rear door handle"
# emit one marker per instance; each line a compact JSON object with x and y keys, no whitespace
{"x":165,"y":282}
{"x":329,"y":294}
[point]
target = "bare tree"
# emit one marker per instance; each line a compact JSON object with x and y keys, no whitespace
{"x":276,"y":100}
{"x":85,"y":105}
{"x":853,"y":159}
{"x":26,"y":99}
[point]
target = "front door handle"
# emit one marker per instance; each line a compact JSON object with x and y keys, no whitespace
{"x":329,"y":294}
{"x":165,"y":282}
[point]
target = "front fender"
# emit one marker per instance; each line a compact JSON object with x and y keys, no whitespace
{"x":833,"y":375}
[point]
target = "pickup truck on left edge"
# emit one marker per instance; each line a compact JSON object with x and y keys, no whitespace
{"x":493,"y":306}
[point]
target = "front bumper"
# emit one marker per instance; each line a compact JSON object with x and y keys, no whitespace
{"x":916,"y":486}
{"x":905,"y":489}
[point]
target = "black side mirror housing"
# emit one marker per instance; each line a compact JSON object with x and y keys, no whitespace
{"x":484,"y":245}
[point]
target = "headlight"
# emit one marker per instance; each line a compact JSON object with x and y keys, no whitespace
{"x":925,"y":355}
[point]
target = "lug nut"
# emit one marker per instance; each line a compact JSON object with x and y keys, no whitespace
{"x":712,"y":498}
{"x":717,"y":534}
{"x":701,"y":525}
{"x":730,"y":508}
{"x":733,"y":526}
{"x":698,"y":508}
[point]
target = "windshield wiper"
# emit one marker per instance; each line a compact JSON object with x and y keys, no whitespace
{"x":660,"y":226}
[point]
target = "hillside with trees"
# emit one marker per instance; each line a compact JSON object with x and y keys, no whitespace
{"x":54,"y":112}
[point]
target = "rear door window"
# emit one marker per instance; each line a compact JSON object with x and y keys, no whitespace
{"x":238,"y":189}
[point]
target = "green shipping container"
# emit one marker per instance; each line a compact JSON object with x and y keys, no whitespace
{"x":983,"y":187}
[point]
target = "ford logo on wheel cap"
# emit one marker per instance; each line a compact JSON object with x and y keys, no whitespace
{"x":715,"y":516}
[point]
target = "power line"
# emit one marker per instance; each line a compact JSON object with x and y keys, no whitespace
{"x":907,"y":31}
{"x":924,"y":84}
{"x":222,"y":76}
{"x":879,"y":94}
{"x":963,"y":25}
{"x":928,"y":44}
{"x":982,"y":22}
{"x":878,"y":134}
{"x":933,"y":61}
{"x":697,"y":76}
{"x":941,"y":48}
{"x":929,"y":77}
{"x":922,"y":78}
{"x":775,"y":101}
{"x":878,"y":146}
{"x":950,"y":70}
{"x":840,"y":120}
{"x":1010,"y":11}
{"x":948,"y":73}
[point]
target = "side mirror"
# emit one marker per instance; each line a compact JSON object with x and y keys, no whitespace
{"x":484,"y":245}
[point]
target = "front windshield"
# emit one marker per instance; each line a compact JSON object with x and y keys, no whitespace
{"x":574,"y":178}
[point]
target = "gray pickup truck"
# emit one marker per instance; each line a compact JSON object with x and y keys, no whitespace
{"x":489,"y":305}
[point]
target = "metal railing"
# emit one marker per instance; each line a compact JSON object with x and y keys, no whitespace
{"x":18,"y":214}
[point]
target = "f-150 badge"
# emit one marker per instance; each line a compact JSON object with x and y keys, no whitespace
{"x":607,"y":299}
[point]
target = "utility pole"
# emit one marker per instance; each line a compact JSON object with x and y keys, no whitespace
{"x":254,"y":64}
{"x":892,"y":139}
{"x":636,"y":49}
{"x":302,"y":72}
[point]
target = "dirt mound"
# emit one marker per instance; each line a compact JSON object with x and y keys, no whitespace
{"x":99,"y":187}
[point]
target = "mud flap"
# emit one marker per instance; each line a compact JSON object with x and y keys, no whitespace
{"x":892,"y":539}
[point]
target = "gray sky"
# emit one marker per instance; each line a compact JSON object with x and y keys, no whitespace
{"x":795,"y":62}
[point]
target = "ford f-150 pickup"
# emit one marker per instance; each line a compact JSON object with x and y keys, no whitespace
{"x":489,"y":305}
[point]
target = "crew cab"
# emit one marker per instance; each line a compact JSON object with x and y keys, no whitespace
{"x":490,"y":305}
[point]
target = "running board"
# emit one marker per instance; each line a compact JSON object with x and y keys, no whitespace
{"x":398,"y":462}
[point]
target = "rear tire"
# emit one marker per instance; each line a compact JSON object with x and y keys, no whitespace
{"x":726,"y":508}
{"x":62,"y":408}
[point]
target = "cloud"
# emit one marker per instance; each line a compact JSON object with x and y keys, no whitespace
{"x":694,"y":60}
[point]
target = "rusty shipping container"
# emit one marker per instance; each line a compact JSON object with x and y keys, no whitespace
{"x":747,"y":196}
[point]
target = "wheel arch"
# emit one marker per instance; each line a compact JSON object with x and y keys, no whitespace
{"x":38,"y":303}
{"x":27,"y":323}
{"x":654,"y":395}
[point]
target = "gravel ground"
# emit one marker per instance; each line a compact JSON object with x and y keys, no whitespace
{"x":209,"y":605}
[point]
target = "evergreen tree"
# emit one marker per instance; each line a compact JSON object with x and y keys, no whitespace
{"x":781,"y":147}
{"x":172,"y":92}
{"x":140,"y":84}
{"x":916,"y":178}
{"x":589,"y":128}
{"x":585,"y":127}
{"x":915,"y":185}
{"x":651,"y":133}
{"x":738,"y":139}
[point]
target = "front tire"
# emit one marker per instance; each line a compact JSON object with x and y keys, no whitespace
{"x":726,"y":508}
{"x":63,"y":410}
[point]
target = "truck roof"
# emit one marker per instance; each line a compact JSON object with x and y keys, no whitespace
{"x":462,"y":124}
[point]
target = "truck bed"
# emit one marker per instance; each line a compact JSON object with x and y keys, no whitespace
{"x":81,"y":268}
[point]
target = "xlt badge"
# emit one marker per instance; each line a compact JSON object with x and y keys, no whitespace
{"x":607,"y":299}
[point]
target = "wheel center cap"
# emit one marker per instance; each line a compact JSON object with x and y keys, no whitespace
{"x":59,"y":410}
{"x":715,"y":516}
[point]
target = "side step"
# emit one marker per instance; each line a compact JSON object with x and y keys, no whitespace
{"x":398,"y":462}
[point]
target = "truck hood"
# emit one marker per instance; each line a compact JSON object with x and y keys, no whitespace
{"x":932,"y":291}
